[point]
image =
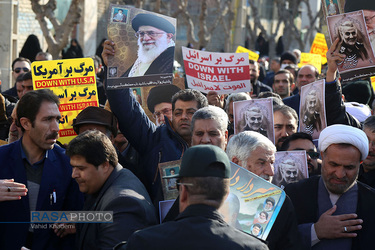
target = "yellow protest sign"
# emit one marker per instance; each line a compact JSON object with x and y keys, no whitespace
{"x":252,"y":55}
{"x":319,"y":46}
{"x":74,"y":82}
{"x":373,"y":82}
{"x":308,"y":58}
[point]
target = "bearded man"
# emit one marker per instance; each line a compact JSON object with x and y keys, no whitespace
{"x":155,"y":45}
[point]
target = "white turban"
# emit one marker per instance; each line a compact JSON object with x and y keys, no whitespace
{"x":338,"y":133}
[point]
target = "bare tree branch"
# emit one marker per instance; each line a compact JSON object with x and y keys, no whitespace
{"x":56,"y":42}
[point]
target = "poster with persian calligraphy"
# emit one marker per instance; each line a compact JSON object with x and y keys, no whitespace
{"x":74,"y":82}
{"x":252,"y":204}
{"x":224,"y":73}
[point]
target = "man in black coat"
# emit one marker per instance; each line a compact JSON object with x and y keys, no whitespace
{"x":203,"y":186}
{"x":334,"y":210}
{"x":108,"y":187}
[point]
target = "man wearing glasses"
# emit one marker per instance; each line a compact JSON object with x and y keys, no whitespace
{"x":19,"y":65}
{"x":159,"y":102}
{"x":155,"y":46}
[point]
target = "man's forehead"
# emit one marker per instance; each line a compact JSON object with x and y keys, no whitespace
{"x":283,"y":76}
{"x":21,"y":64}
{"x":285,"y":120}
{"x":150,"y":28}
{"x":27,"y":82}
{"x":307,"y":70}
{"x":264,"y":153}
{"x":179,"y":104}
{"x":348,"y":28}
{"x":211,"y":123}
{"x":47,"y":108}
{"x":253,"y":66}
{"x":255,"y":113}
{"x":162,"y":105}
{"x":304,"y":144}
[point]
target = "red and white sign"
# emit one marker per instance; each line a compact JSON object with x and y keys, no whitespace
{"x":224,"y":73}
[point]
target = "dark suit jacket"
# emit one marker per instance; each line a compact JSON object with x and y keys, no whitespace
{"x":132,"y":209}
{"x":198,"y":227}
{"x":304,"y":195}
{"x":57,"y":175}
{"x":161,"y":65}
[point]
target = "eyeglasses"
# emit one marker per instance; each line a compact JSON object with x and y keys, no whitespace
{"x":18,"y":70}
{"x":313,"y":155}
{"x":368,"y":19}
{"x":151,"y":34}
{"x":165,"y":111}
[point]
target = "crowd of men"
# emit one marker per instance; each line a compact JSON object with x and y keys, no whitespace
{"x":114,"y":162}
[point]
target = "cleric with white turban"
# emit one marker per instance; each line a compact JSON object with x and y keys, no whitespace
{"x":336,"y":134}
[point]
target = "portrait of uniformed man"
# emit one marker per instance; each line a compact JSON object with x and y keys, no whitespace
{"x":312,"y":111}
{"x":254,"y":115}
{"x":354,"y":42}
{"x":289,"y":168}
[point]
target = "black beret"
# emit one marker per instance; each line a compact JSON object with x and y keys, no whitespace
{"x":288,"y":56}
{"x":159,"y":94}
{"x":359,"y":91}
{"x":158,"y":22}
{"x":353,"y":5}
{"x":96,"y":115}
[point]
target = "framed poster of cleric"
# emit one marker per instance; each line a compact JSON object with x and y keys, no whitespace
{"x":252,"y":204}
{"x":144,"y":45}
{"x":169,"y":184}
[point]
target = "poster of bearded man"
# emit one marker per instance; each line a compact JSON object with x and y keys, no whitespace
{"x":144,"y":45}
{"x":312,"y":112}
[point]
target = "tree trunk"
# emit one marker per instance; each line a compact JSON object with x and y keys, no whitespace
{"x":60,"y":39}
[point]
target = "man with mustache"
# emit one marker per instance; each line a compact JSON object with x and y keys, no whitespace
{"x":256,"y":153}
{"x":155,"y":45}
{"x":333,"y":209}
{"x":36,"y":176}
{"x":283,"y":83}
{"x":285,"y":123}
{"x":154,"y":144}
